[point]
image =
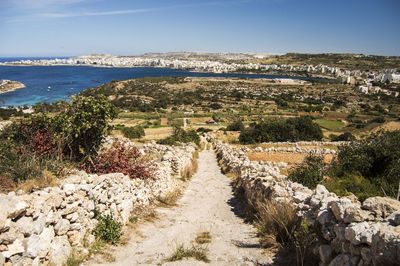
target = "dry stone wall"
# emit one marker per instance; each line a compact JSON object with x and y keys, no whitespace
{"x":353,"y":233}
{"x":44,"y":227}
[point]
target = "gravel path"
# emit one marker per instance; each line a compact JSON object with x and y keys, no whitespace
{"x":207,"y":205}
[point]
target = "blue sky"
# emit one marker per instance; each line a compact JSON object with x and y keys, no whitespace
{"x":127,"y":27}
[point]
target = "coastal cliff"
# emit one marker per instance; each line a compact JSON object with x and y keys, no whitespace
{"x":10,"y":85}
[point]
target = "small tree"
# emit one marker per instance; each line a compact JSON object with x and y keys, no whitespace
{"x":84,"y":125}
{"x":310,"y":173}
{"x":235,"y":126}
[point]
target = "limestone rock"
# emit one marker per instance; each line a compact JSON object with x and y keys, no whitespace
{"x":60,"y":250}
{"x":344,"y":260}
{"x":39,"y":245}
{"x":25,"y":225}
{"x":361,"y":232}
{"x":338,"y":207}
{"x":381,"y":206}
{"x":12,"y":206}
{"x":356,"y":214}
{"x":62,"y":227}
{"x":385,"y":246}
{"x":15,"y":248}
{"x":2,"y":259}
{"x":394,"y":218}
{"x":325,"y":253}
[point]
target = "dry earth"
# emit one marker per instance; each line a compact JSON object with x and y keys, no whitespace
{"x":207,"y":205}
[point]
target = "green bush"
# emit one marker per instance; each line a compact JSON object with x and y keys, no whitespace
{"x":30,"y":146}
{"x":376,"y":158}
{"x":292,"y":129}
{"x":346,"y":136}
{"x":181,"y":136}
{"x":310,"y":173}
{"x":133,"y":132}
{"x":235,"y":126}
{"x":108,"y":230}
{"x":84,"y":125}
{"x":18,"y":163}
{"x":352,"y":183}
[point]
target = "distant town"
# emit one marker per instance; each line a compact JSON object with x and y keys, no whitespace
{"x":367,"y":80}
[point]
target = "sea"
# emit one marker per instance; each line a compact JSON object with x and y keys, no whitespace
{"x":54,"y":83}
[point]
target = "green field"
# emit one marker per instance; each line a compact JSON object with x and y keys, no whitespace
{"x":333,"y":125}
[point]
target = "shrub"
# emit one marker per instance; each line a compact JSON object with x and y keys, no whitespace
{"x":375,"y":158}
{"x":235,"y":126}
{"x":108,"y":230}
{"x":203,"y":130}
{"x":120,"y":158}
{"x":352,"y":183}
{"x":84,"y":125}
{"x":182,"y":136}
{"x":18,"y":163}
{"x":6,"y":184}
{"x":133,"y":132}
{"x":310,"y":173}
{"x":292,"y":129}
{"x":346,"y":136}
{"x":279,"y":225}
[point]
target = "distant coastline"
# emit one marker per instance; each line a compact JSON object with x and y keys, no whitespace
{"x":10,"y":85}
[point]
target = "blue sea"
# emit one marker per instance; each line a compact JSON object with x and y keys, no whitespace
{"x":53,"y":83}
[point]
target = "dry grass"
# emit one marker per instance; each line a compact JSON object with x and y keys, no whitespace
{"x":290,"y":158}
{"x":276,"y":224}
{"x":157,"y":133}
{"x":170,"y":199}
{"x":196,"y":252}
{"x":164,"y":121}
{"x":7,"y":184}
{"x":203,"y":238}
{"x":190,"y":170}
{"x":48,"y":179}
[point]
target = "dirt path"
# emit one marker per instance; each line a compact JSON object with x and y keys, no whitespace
{"x":207,"y":205}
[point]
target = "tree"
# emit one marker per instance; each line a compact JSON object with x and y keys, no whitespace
{"x":84,"y":125}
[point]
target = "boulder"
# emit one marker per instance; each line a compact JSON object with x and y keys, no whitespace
{"x":12,"y":206}
{"x":60,"y":250}
{"x":338,"y":207}
{"x":382,"y":207}
{"x":10,"y":236}
{"x":2,"y":259}
{"x":394,"y":218}
{"x":325,"y":253}
{"x":25,"y":225}
{"x":16,"y":247}
{"x":344,"y":260}
{"x":385,"y":246}
{"x":361,"y":232}
{"x":39,"y":245}
{"x":62,"y":227}
{"x":354,"y":213}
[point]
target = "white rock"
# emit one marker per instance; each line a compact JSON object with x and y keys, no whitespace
{"x":39,"y":245}
{"x":15,"y":248}
{"x":60,"y":250}
{"x":62,"y":227}
{"x":25,"y":225}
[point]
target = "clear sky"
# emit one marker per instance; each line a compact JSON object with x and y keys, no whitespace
{"x":128,"y":27}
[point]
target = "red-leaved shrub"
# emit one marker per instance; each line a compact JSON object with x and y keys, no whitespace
{"x":42,"y":143}
{"x":121,"y":159}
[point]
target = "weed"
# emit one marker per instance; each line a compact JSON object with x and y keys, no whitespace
{"x":203,"y":238}
{"x":73,"y":260}
{"x":108,"y":230}
{"x":196,"y":252}
{"x":170,"y":198}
